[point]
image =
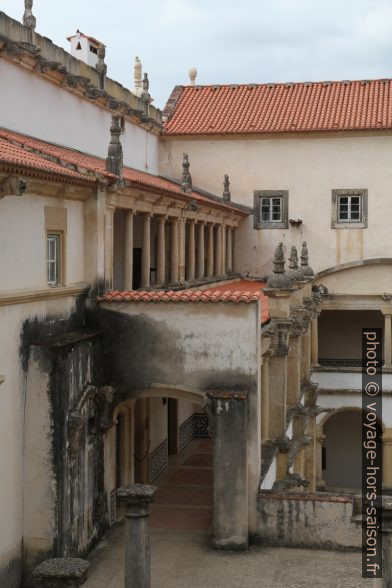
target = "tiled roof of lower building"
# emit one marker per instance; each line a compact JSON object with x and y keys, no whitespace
{"x":240,"y":291}
{"x":29,"y":152}
{"x":280,"y":108}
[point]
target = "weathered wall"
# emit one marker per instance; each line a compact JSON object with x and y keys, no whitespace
{"x":158,"y":422}
{"x":196,"y":347}
{"x":29,"y":93}
{"x":363,"y":279}
{"x":307,"y":520}
{"x":309,"y":168}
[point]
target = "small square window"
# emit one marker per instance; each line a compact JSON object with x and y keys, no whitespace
{"x":271,"y":209}
{"x":53,"y":252}
{"x":349,"y":209}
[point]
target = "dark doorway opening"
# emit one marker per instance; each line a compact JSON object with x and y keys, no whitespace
{"x":172,"y":426}
{"x":137,"y":268}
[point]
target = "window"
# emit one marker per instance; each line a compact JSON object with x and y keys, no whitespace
{"x":53,"y":247}
{"x":349,"y":209}
{"x":93,"y":49}
{"x":271,"y":209}
{"x":78,"y":47}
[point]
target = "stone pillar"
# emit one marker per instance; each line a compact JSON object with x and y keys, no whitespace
{"x":387,"y":459}
{"x":174,"y":252}
{"x":314,"y":351}
{"x":210,"y":251}
{"x":311,"y":449}
{"x":137,"y":499}
{"x":278,"y":395}
{"x":265,"y":399}
{"x":128,"y":250}
{"x":109,"y":222}
{"x":161,"y":253}
{"x":320,"y":483}
{"x":146,"y":252}
{"x":305,"y":364}
{"x":282,"y":461}
{"x":61,"y":572}
{"x":200,"y":250}
{"x":181,"y":251}
{"x":191,"y":252}
{"x":229,"y":250}
{"x":387,"y":341}
{"x":294,"y":371}
{"x":231,"y":519}
{"x":218,"y":252}
{"x":224,"y":259}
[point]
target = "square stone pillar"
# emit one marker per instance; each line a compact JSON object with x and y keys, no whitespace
{"x":278,"y":395}
{"x":109,"y":223}
{"x":265,"y":397}
{"x":128,"y":250}
{"x":294,"y":371}
{"x":314,"y":346}
{"x":230,"y":417}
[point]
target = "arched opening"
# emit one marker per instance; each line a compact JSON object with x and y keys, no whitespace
{"x":342,"y":450}
{"x":161,"y":436}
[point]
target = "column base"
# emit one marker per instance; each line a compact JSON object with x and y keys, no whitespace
{"x":234,"y":544}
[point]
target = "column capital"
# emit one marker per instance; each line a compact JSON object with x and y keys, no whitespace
{"x":162,"y":218}
{"x":137,"y":495}
{"x":387,"y":313}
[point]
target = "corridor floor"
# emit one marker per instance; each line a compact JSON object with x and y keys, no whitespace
{"x":181,"y":555}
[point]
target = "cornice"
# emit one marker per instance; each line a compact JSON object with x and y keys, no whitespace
{"x":9,"y":298}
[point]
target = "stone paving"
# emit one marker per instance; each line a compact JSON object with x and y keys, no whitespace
{"x":181,"y":555}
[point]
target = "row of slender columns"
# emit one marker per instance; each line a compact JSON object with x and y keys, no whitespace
{"x":219,"y":254}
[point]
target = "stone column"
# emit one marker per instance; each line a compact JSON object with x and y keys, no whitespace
{"x":282,"y":460}
{"x":191,"y":252}
{"x":305,"y":364}
{"x":229,"y":250}
{"x":210,"y":251}
{"x":128,"y":250}
{"x":218,"y":252}
{"x":278,"y":395}
{"x":137,"y":499}
{"x":223,"y":264}
{"x":387,"y":340}
{"x":181,"y":251}
{"x":314,"y":346}
{"x":146,"y":252}
{"x":61,"y":572}
{"x":387,"y":459}
{"x":200,"y":250}
{"x":174,"y":252}
{"x":265,"y":399}
{"x":109,"y":223}
{"x":320,"y":437}
{"x":161,"y":253}
{"x":230,"y":416}
{"x":294,"y":371}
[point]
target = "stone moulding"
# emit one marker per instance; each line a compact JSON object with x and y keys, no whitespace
{"x":26,"y":296}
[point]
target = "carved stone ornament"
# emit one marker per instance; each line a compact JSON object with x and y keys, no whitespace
{"x":12,"y":186}
{"x":294,"y":272}
{"x":29,"y":19}
{"x":114,"y":160}
{"x":280,"y":343}
{"x":306,"y":270}
{"x":186,"y":179}
{"x":226,"y":189}
{"x":279,"y":279}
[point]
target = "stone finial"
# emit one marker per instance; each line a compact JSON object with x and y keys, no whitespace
{"x":294,"y":272}
{"x":29,"y":19}
{"x":145,"y":96}
{"x":137,"y":77}
{"x":306,"y":270}
{"x":186,"y":179}
{"x":192,"y":75}
{"x":114,"y":160}
{"x":101,"y":65}
{"x":226,"y":189}
{"x":279,"y":279}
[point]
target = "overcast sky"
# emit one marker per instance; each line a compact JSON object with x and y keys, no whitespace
{"x":228,"y":41}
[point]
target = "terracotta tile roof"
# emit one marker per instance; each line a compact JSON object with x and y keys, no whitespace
{"x":280,"y":108}
{"x":241,"y":291}
{"x":95,"y":165}
{"x":14,"y":155}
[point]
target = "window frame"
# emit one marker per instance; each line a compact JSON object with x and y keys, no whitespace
{"x":349,"y":223}
{"x":58,"y":235}
{"x":259,"y":223}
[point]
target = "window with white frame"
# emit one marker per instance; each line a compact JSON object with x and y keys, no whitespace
{"x":271,"y":209}
{"x":53,"y":255}
{"x":349,"y":208}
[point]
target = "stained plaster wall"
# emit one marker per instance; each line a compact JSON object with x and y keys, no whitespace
{"x":190,"y":346}
{"x":46,"y":102}
{"x":158,"y":422}
{"x":309,"y":167}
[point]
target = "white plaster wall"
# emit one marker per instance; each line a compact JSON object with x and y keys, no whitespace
{"x":309,"y":168}
{"x":158,"y":422}
{"x":23,"y":241}
{"x":185,"y":410}
{"x":336,"y":401}
{"x":12,"y":403}
{"x":34,"y":106}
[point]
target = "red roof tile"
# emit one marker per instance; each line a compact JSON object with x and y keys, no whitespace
{"x":14,"y":155}
{"x":280,"y":108}
{"x":96,"y":165}
{"x":241,"y":291}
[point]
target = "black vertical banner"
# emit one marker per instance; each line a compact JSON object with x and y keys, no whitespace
{"x":371,"y":453}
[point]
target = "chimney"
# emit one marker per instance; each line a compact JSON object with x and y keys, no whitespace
{"x":192,"y":76}
{"x":137,"y":77}
{"x":85,"y":48}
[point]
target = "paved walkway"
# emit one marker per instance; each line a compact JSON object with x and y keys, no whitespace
{"x":181,"y":556}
